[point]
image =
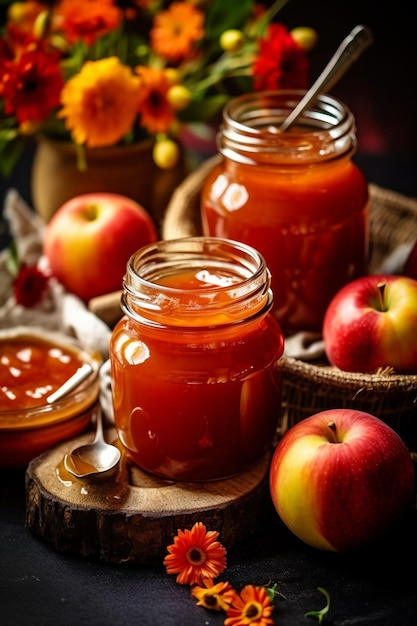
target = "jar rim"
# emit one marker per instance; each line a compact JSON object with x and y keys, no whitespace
{"x":239,"y":278}
{"x":251,"y":125}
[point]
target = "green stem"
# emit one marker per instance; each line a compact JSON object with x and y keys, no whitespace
{"x":322,"y":614}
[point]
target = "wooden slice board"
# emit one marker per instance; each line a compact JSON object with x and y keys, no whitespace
{"x":132,"y":518}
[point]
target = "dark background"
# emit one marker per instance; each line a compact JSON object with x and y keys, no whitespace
{"x":379,"y":88}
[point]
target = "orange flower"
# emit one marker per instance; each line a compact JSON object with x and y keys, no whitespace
{"x":195,"y":555}
{"x":156,"y":113}
{"x":214,"y":597}
{"x":100,"y":103}
{"x":176,"y":30}
{"x":87,"y":19}
{"x":252,"y":607}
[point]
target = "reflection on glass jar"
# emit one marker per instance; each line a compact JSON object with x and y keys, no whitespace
{"x":297,"y":197}
{"x":195,"y":378}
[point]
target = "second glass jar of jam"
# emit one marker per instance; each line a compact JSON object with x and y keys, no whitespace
{"x":295,"y":196}
{"x":195,"y":379}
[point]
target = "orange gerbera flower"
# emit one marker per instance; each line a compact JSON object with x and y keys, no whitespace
{"x":176,"y":30}
{"x":251,"y":608}
{"x":214,"y":597}
{"x":195,"y":555}
{"x":100,"y":103}
{"x":87,"y":19}
{"x":156,"y":113}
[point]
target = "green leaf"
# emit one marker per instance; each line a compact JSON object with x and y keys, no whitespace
{"x":225,"y":15}
{"x":11,"y":148}
{"x":322,"y":614}
{"x":204,"y":110}
{"x":12,"y":260}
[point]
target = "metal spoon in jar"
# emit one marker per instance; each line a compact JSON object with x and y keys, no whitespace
{"x":349,"y":50}
{"x":96,"y":461}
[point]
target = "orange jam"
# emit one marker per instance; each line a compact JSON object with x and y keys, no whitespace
{"x":297,"y":197}
{"x":32,"y":368}
{"x":196,"y":385}
{"x":33,"y":364}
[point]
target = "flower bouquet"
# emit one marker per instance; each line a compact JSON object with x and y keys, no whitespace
{"x":112,"y":72}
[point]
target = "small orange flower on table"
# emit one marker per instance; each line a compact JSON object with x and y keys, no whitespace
{"x":216,"y":597}
{"x":251,"y":606}
{"x":195,"y":555}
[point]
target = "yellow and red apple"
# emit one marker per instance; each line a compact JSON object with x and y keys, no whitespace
{"x":371,"y":323}
{"x":89,"y":240}
{"x":341,"y":478}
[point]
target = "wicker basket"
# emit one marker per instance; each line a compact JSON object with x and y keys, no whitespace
{"x":311,"y":387}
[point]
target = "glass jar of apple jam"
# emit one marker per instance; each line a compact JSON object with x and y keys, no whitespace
{"x":195,"y":379}
{"x":295,"y":196}
{"x":33,"y":364}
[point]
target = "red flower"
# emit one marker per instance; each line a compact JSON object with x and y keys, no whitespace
{"x":31,"y":83}
{"x":281,"y":63}
{"x":30,"y":285}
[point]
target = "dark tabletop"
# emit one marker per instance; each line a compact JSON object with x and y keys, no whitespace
{"x":39,"y":586}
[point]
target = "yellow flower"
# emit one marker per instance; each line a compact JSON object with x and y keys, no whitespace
{"x":100,"y":103}
{"x":215,"y":597}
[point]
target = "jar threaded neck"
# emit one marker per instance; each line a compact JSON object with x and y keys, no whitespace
{"x":196,"y":281}
{"x":250,"y":129}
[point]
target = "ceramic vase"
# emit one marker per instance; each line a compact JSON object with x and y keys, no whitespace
{"x":127,"y":170}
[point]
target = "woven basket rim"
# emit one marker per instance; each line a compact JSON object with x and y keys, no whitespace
{"x":329,"y":374}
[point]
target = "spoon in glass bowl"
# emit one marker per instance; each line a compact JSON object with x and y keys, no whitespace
{"x":96,"y":461}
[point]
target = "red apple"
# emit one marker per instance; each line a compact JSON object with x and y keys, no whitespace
{"x":341,"y":478}
{"x":89,"y":240}
{"x":371,"y":323}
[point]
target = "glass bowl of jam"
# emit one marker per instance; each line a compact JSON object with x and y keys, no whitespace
{"x":33,"y":364}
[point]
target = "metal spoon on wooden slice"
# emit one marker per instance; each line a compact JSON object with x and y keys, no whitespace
{"x":96,"y":461}
{"x":349,"y":50}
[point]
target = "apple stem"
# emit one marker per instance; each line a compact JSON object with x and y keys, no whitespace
{"x":333,"y":429}
{"x":381,"y":291}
